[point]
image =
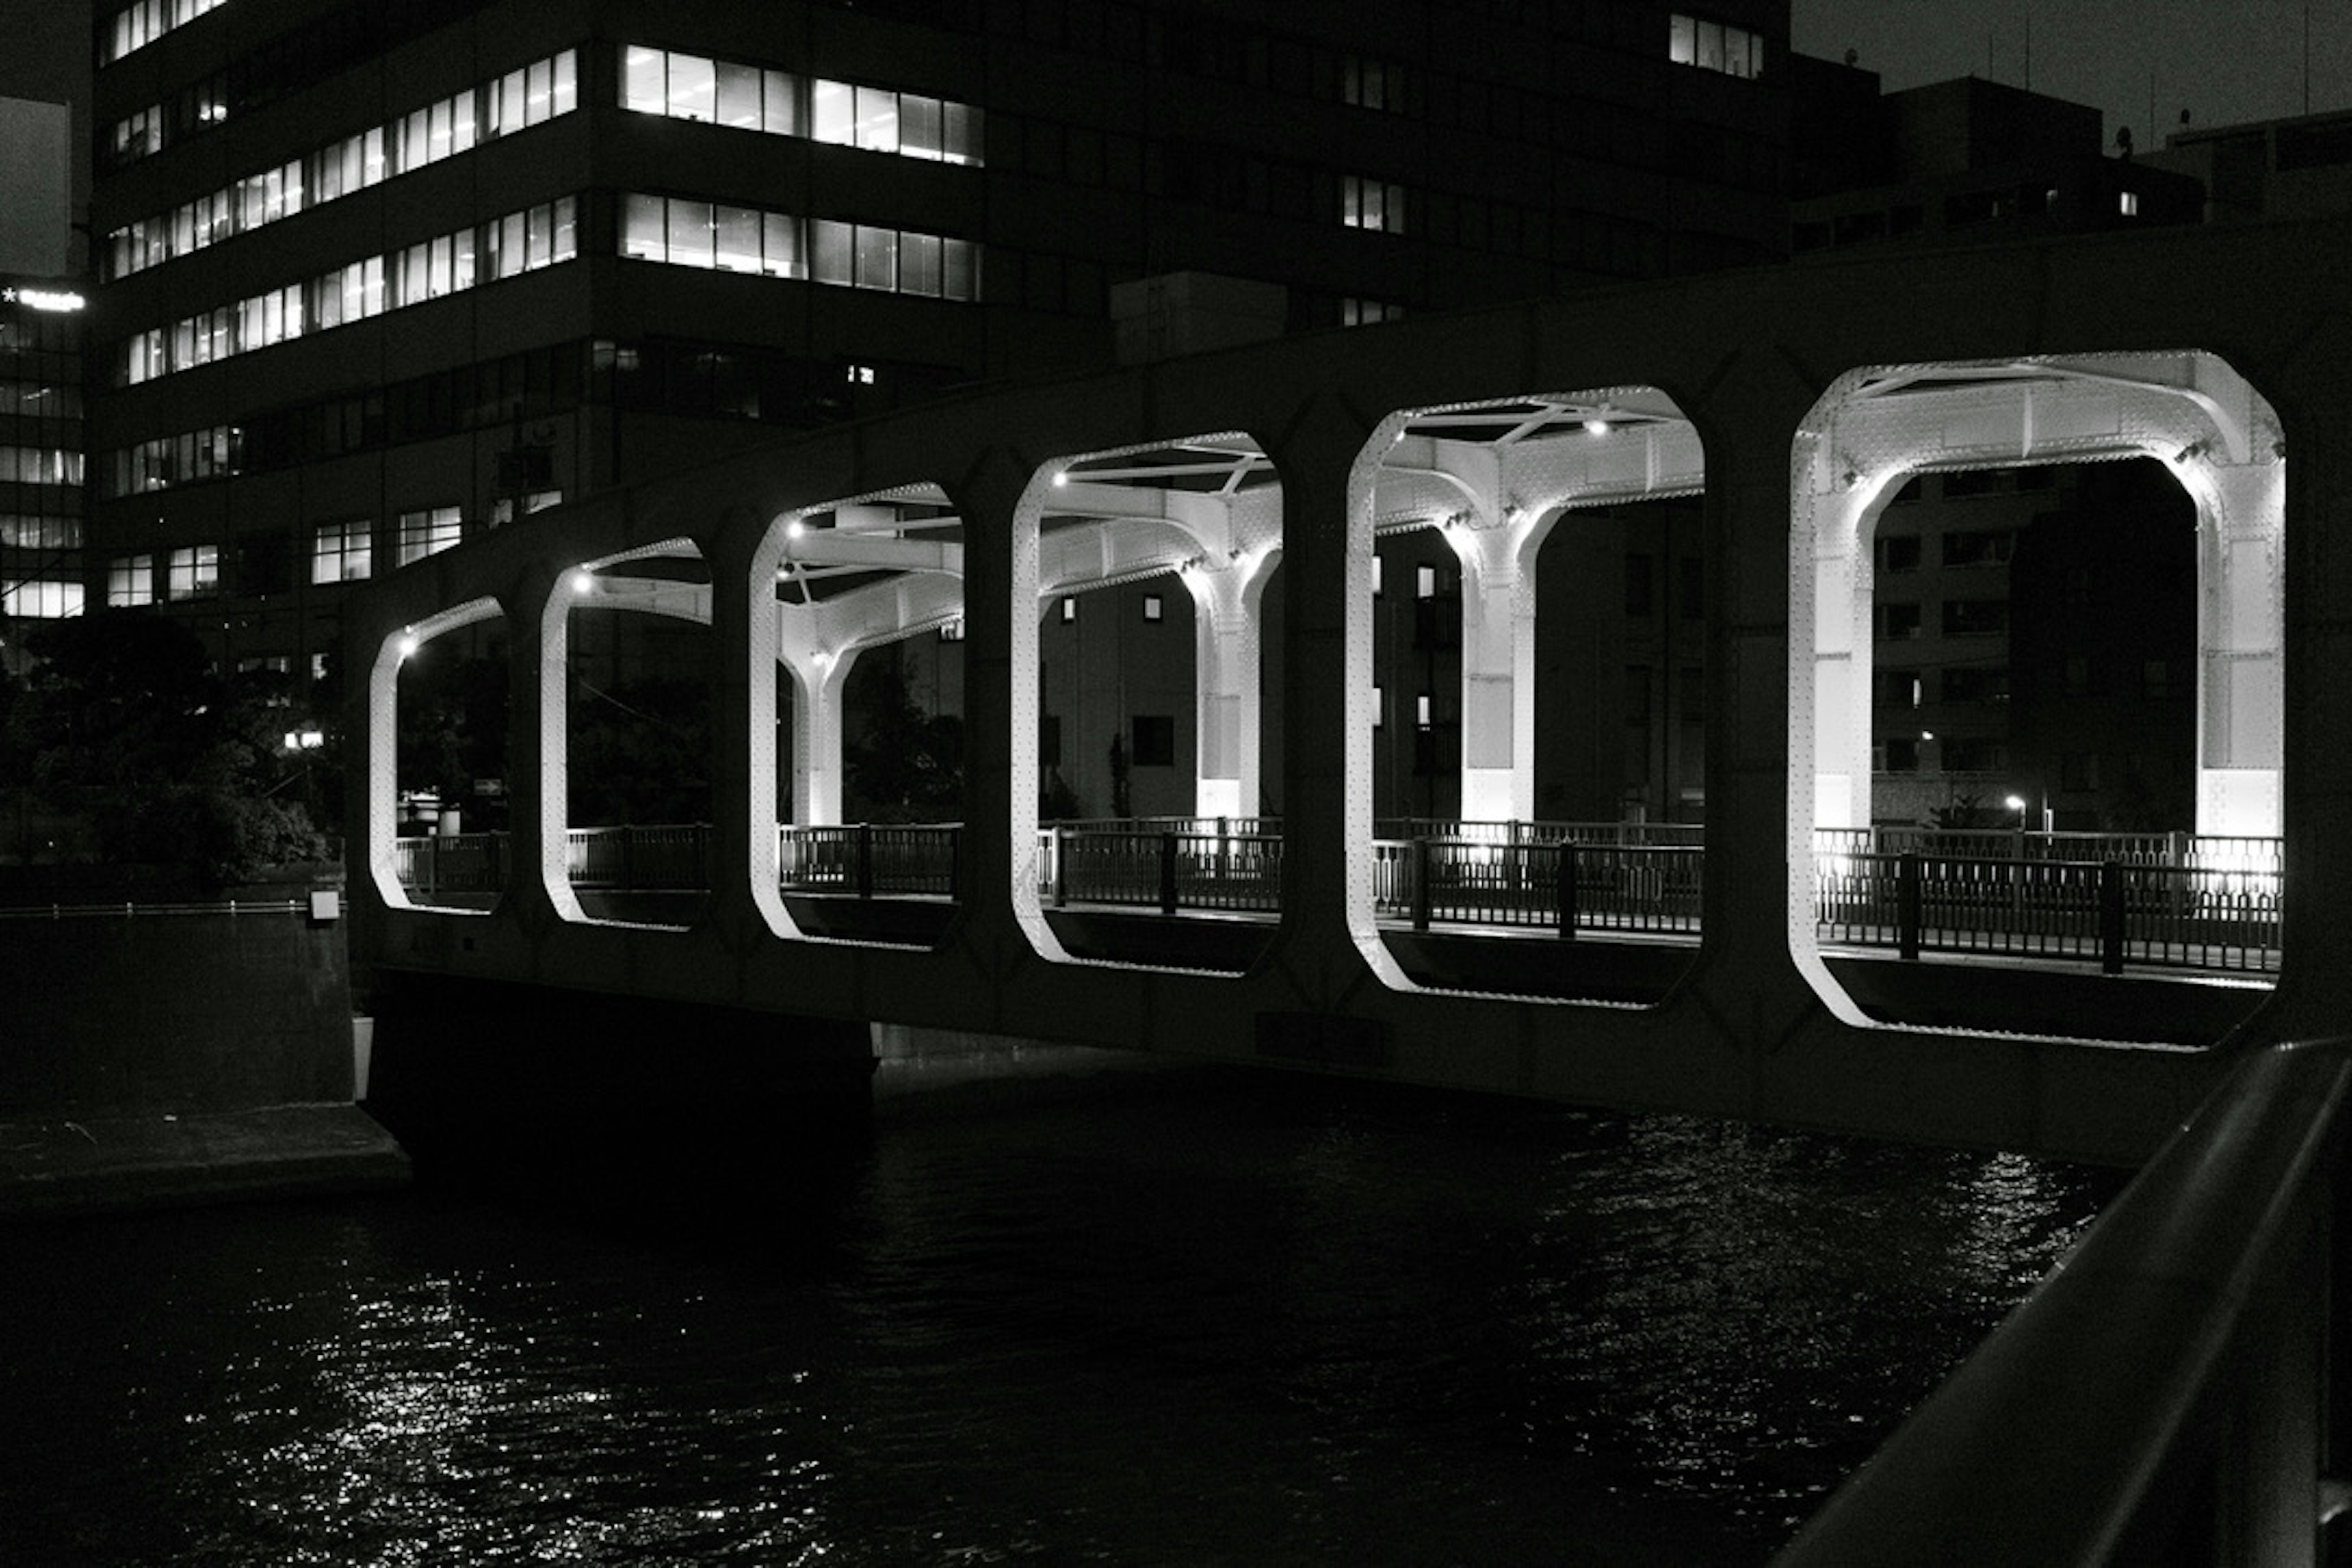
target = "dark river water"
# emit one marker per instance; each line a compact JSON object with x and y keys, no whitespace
{"x":1168,"y":1319}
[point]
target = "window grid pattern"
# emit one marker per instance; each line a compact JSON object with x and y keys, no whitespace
{"x":778,"y":103}
{"x":130,"y":580}
{"x":501,"y":247}
{"x":428,"y":533}
{"x":682,"y":233}
{"x":216,"y":452}
{"x":528,"y":96}
{"x":41,"y":598}
{"x":20,"y":530}
{"x":193,"y":572}
{"x":40,"y":466}
{"x":1368,"y":203}
{"x":142,"y":22}
{"x":342,"y":552}
{"x":1715,"y":47}
{"x":40,"y":400}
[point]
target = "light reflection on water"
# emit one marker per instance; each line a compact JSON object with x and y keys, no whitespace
{"x":1177,"y":1321}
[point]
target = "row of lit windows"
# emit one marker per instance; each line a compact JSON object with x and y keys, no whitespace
{"x":1715,"y":47}
{"x":191,"y":572}
{"x":39,"y":400}
{"x":53,"y":531}
{"x":342,"y":552}
{"x":214,"y":452}
{"x":142,"y":22}
{"x":501,"y":107}
{"x":501,"y":247}
{"x":820,"y":250}
{"x":693,"y":87}
{"x":42,"y":598}
{"x":39,"y":466}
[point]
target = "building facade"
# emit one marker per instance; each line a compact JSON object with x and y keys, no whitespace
{"x":378,"y":277}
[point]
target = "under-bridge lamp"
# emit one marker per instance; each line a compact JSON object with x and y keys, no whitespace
{"x":1595,"y":425}
{"x":408,"y":645}
{"x":1061,"y":478}
{"x":823,"y":659}
{"x":583,"y":581}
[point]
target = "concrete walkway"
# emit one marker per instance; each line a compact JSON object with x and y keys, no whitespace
{"x":53,"y":1164}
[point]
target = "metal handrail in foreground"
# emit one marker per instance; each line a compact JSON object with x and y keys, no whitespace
{"x":2169,"y":1394}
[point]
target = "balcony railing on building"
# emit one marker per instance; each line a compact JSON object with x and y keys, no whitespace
{"x":2175,"y":900}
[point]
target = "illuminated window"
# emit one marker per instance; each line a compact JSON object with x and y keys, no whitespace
{"x":428,"y":533}
{"x":504,"y":246}
{"x":342,"y":552}
{"x":41,"y":598}
{"x":2128,"y":203}
{"x":1368,"y":312}
{"x":683,"y":233}
{"x":1715,"y":47}
{"x":846,"y":114}
{"x":193,"y":573}
{"x":1371,"y":84}
{"x":1371,"y":204}
{"x":40,"y":532}
{"x":130,"y":580}
{"x":40,"y":466}
{"x":1154,"y":608}
{"x":1069,"y":611}
{"x":428,"y":134}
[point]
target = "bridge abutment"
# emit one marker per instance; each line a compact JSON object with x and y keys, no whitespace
{"x":612,"y":1089}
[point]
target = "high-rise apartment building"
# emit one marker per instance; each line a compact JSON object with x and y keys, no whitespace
{"x":379,"y":275}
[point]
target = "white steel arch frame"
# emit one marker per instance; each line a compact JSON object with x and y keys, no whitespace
{"x":1749,"y":360}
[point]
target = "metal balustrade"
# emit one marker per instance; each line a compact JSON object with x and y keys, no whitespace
{"x":2160,"y":899}
{"x":2174,"y":1393}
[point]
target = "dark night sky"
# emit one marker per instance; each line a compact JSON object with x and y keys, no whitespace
{"x":2223,"y":60}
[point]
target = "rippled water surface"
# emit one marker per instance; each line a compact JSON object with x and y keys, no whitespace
{"x":1166,"y":1321}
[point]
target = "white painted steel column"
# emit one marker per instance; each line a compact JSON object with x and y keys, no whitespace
{"x":819,"y":678}
{"x":1831,"y":528}
{"x":1498,"y":665}
{"x":1227,"y":621}
{"x":2240,"y":633}
{"x":539,"y":628}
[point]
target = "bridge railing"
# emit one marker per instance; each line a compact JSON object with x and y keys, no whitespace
{"x":1163,"y":868}
{"x":668,"y":857}
{"x":2173,"y":1393}
{"x":1624,"y":835}
{"x":869,"y":859}
{"x":471,"y":864}
{"x":2155,"y":899}
{"x":1558,"y":885}
{"x":2110,"y":913}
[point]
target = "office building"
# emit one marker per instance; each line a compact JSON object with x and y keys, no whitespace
{"x":379,"y":275}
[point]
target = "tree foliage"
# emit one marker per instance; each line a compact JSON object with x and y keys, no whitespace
{"x":450,"y":729}
{"x":640,"y":752}
{"x":123,"y":723}
{"x":904,"y":766}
